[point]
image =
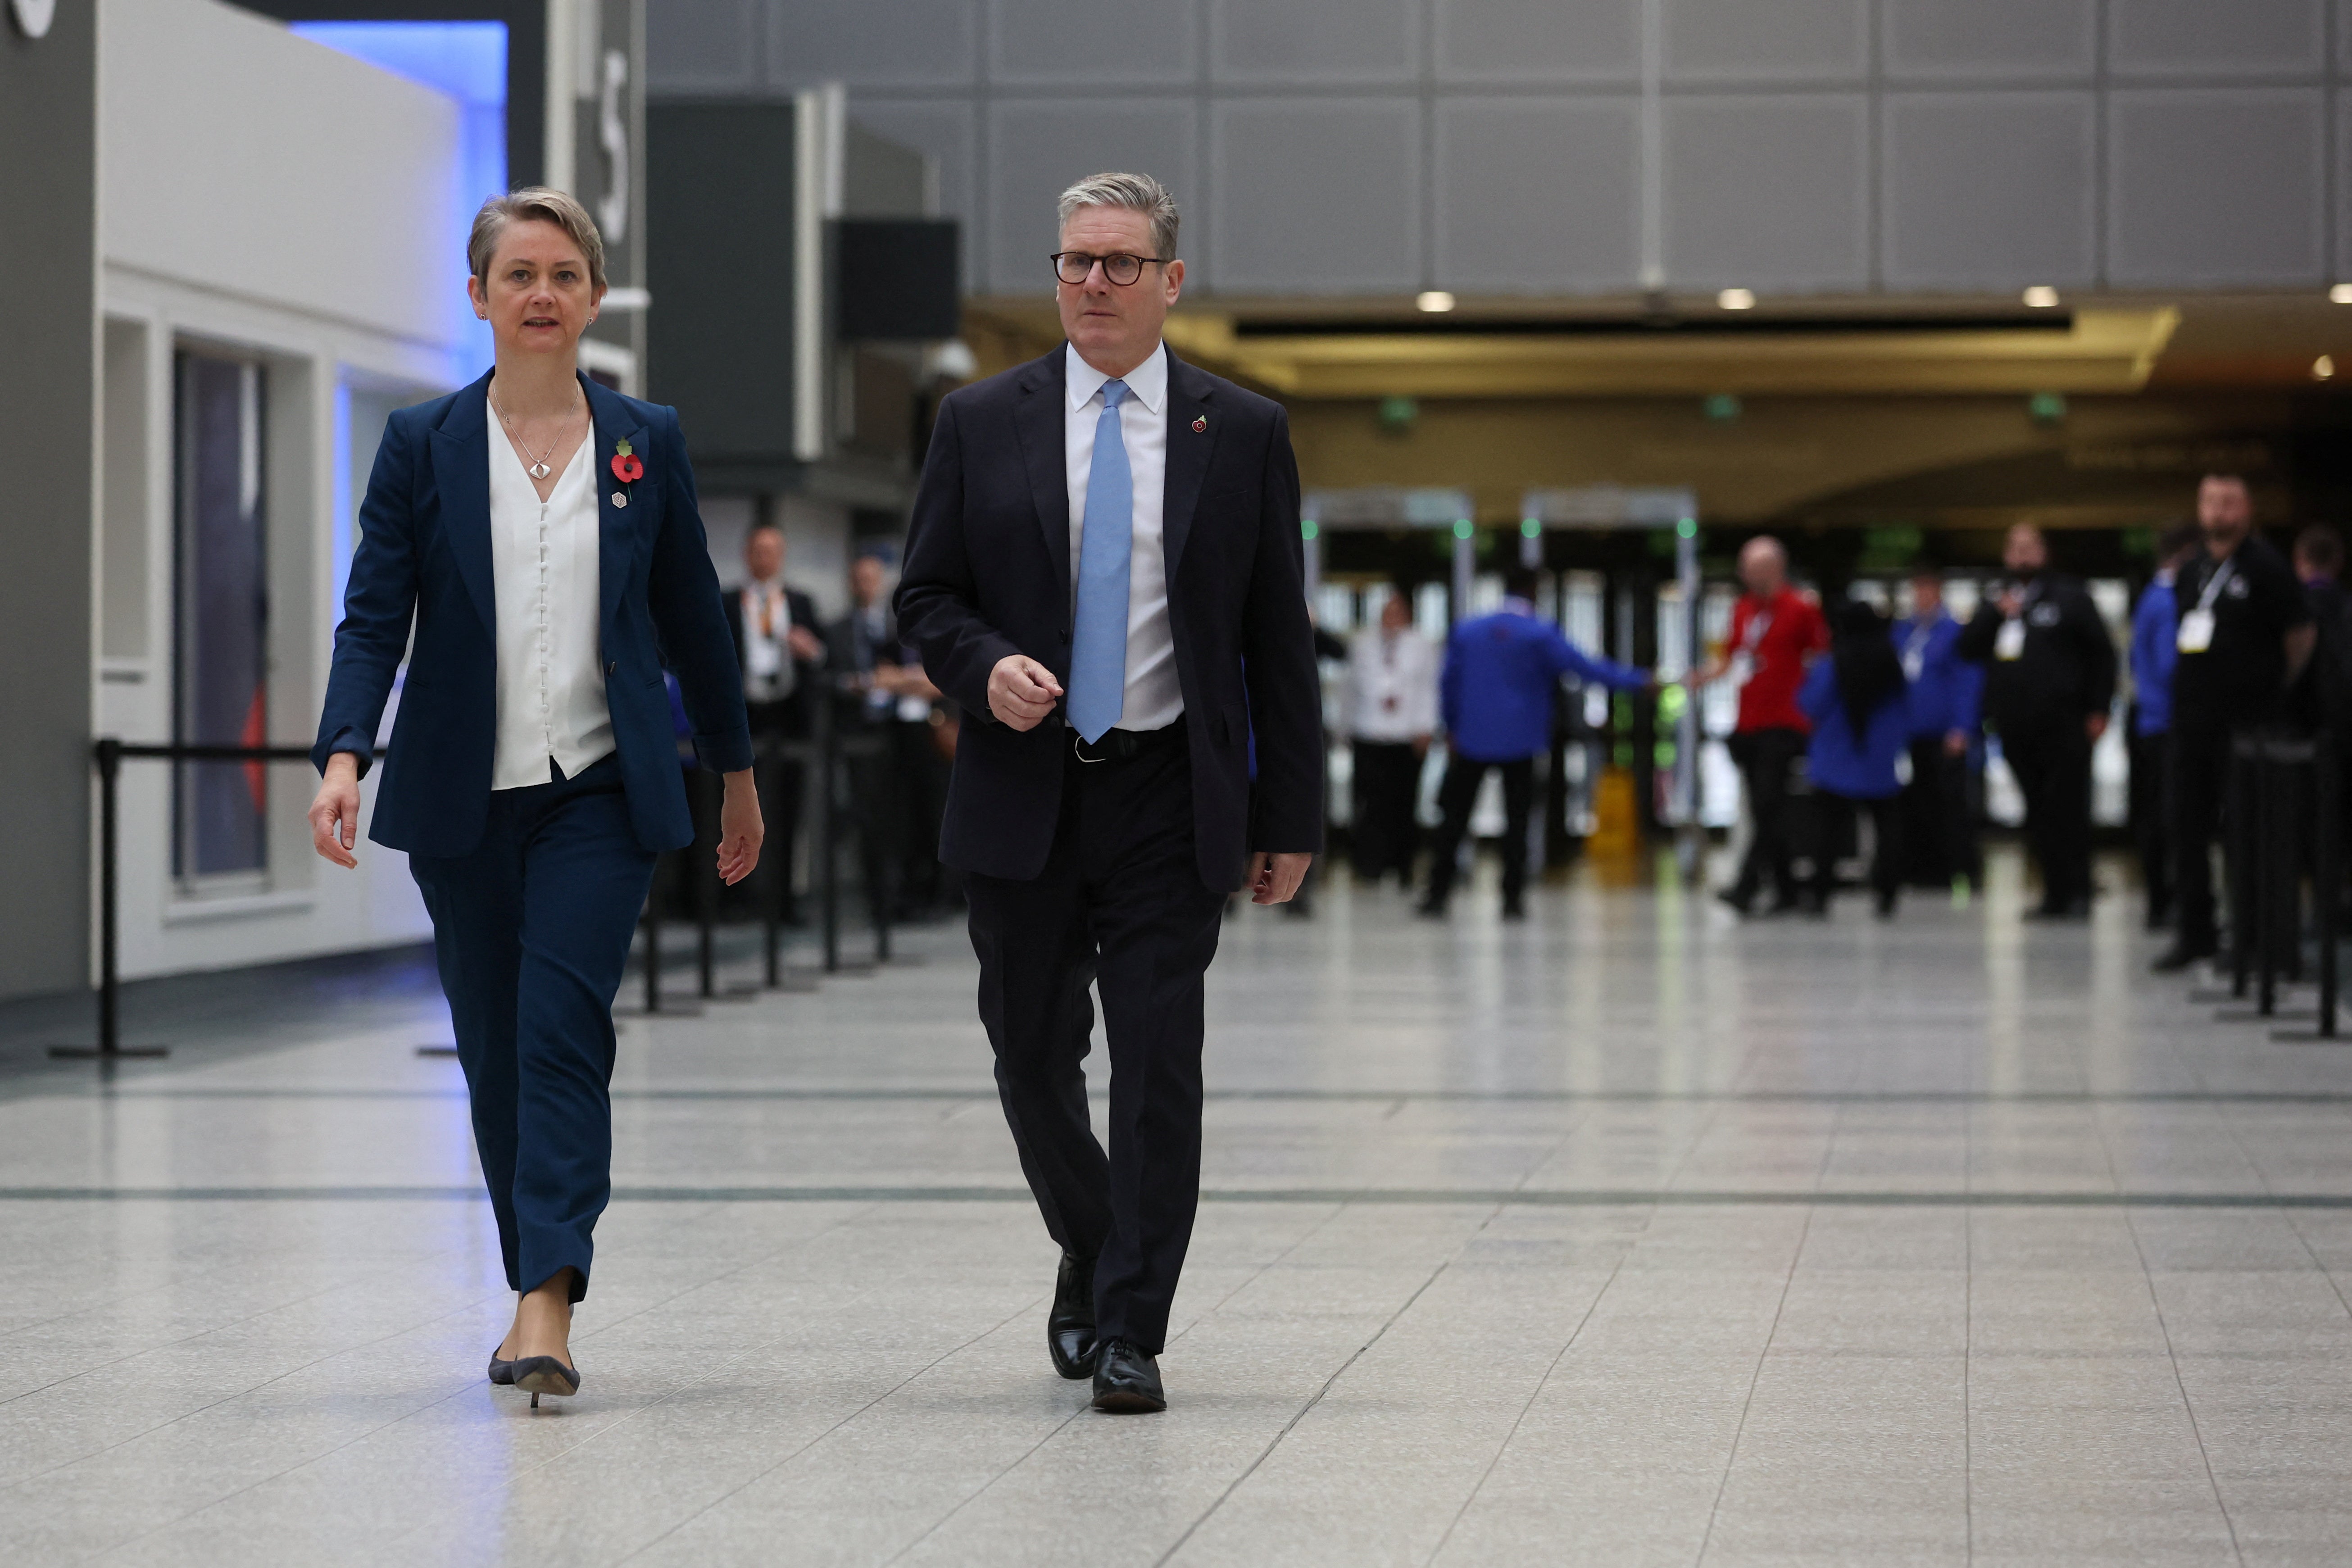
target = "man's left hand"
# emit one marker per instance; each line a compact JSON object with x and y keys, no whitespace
{"x":804,"y":644}
{"x":1275,"y":878}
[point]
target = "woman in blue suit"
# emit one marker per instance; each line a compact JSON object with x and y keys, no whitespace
{"x":1857,"y":701}
{"x":542,"y":533}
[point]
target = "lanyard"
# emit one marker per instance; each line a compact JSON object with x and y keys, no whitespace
{"x":2214,"y":585}
{"x":1758,"y":625}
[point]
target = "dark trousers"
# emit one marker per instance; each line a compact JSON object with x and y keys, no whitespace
{"x":779,"y":780}
{"x":2052,"y":762}
{"x":1455,"y":797}
{"x":2151,"y":819}
{"x":1835,"y":822}
{"x":1385,"y":789}
{"x":1940,"y":837}
{"x":2199,"y":776}
{"x":1121,"y":905}
{"x":1765,"y":757}
{"x":532,"y":930}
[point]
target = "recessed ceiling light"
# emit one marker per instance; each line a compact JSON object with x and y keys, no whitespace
{"x":2341,"y":294}
{"x":1433,"y":299}
{"x":2323,"y":368}
{"x":1737,"y":300}
{"x":2042,"y":297}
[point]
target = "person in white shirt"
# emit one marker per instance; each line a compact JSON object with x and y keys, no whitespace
{"x":1390,"y":712}
{"x":774,"y":630}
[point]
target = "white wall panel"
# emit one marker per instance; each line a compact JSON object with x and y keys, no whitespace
{"x":1931,"y":39}
{"x":1539,"y":40}
{"x":2214,"y":187}
{"x":1356,"y":42}
{"x":1754,"y":41}
{"x":1316,"y":196}
{"x":1037,"y":149}
{"x":702,"y":45}
{"x":872,"y":43}
{"x":2216,"y":37}
{"x":1768,"y":193}
{"x":1094,"y":43}
{"x":1540,"y":196}
{"x":1989,"y":190}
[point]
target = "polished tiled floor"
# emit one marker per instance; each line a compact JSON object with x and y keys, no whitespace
{"x":1623,"y":1236}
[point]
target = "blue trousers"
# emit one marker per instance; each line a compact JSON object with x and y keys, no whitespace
{"x":531,"y":928}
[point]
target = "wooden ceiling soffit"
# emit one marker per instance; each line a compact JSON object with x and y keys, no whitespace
{"x":2103,"y":351}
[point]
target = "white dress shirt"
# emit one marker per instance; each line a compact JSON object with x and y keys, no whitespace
{"x":548,"y":592}
{"x":1154,"y":699}
{"x":769,"y":673}
{"x":1391,"y":685}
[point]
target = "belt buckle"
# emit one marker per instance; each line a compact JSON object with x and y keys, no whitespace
{"x":1078,"y":748}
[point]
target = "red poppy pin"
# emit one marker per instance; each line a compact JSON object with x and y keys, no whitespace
{"x":627,"y":466}
{"x":1200,"y":425}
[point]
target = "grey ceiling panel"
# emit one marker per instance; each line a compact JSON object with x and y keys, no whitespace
{"x":701,"y":46}
{"x":872,"y":43}
{"x":1094,"y":43}
{"x":942,"y":129}
{"x":2216,"y":37}
{"x":1539,"y":40}
{"x":1036,"y":150}
{"x":1931,"y":39}
{"x":1539,"y":197}
{"x":1359,"y":42}
{"x":1753,"y":41}
{"x":1769,"y":192}
{"x":1989,"y":190}
{"x":1314,"y":198}
{"x":2216,"y":187}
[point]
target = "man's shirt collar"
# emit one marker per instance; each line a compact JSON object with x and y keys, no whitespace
{"x":1147,"y":382}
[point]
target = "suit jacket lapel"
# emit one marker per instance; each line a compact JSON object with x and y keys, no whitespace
{"x":1189,"y":395}
{"x":461,"y":474}
{"x":1040,"y":422}
{"x":619,"y":529}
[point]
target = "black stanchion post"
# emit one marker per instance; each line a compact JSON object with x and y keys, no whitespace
{"x":2327,"y":886}
{"x":828,"y":867}
{"x":2237,"y":843}
{"x":108,"y":753}
{"x":2265,"y":869}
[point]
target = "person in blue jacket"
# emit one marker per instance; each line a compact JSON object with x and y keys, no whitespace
{"x":2155,"y":649}
{"x":1496,"y":699}
{"x":1946,"y":709}
{"x":1861,"y":712}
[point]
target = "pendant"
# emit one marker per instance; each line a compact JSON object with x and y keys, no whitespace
{"x":539,"y":470}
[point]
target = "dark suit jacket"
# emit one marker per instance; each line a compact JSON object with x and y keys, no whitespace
{"x":988,"y":575}
{"x":803,"y":612}
{"x":425,"y":552}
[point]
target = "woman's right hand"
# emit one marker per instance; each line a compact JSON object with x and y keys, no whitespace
{"x":335,"y":813}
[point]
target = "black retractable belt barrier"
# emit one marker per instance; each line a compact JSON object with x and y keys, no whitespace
{"x":2274,"y":777}
{"x":2327,"y":885}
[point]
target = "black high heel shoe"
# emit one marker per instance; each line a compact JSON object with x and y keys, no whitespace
{"x":501,"y":1372}
{"x":538,"y":1374}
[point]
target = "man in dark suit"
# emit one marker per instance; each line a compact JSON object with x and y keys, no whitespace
{"x":775,"y":632}
{"x":896,"y":795}
{"x":1104,"y":569}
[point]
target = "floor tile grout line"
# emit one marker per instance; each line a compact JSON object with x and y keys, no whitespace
{"x":940,"y":1360}
{"x":1317,"y":1398}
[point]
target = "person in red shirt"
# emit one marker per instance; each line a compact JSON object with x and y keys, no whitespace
{"x":1775,"y":633}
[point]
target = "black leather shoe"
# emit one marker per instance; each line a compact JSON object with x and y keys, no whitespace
{"x":2181,"y":955}
{"x":1739,"y":903}
{"x":1070,"y":1326}
{"x":1127,"y":1381}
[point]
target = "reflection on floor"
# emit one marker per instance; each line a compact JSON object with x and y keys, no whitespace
{"x":1625,"y":1235}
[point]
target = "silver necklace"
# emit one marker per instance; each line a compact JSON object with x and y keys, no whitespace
{"x":535,"y":466}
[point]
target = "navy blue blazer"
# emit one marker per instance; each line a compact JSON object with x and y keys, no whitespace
{"x":425,"y":552}
{"x":988,"y":575}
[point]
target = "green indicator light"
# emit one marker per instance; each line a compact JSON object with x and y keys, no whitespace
{"x":1530,"y":528}
{"x":1307,"y":528}
{"x":1688,"y":528}
{"x":1461,"y":527}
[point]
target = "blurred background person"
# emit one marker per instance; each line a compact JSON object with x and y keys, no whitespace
{"x":1775,"y":630}
{"x":2246,"y":634}
{"x":1391,"y":712}
{"x":2155,"y":627}
{"x":778,"y":645}
{"x":1495,"y":697}
{"x":898,"y":796}
{"x":1947,"y":696}
{"x":2050,"y":678}
{"x":1858,"y":703}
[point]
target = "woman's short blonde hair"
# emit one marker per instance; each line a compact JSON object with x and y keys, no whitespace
{"x":534,"y":204}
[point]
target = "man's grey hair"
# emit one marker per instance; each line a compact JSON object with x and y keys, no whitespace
{"x":1136,"y":192}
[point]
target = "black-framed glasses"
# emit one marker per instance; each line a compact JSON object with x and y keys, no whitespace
{"x":1075,"y":266}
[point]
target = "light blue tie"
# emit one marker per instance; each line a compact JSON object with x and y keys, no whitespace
{"x":1098,"y":645}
